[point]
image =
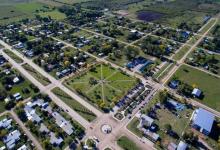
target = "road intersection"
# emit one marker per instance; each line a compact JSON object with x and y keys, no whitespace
{"x":119,"y":128}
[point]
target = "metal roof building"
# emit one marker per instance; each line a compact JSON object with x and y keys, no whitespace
{"x":203,"y":120}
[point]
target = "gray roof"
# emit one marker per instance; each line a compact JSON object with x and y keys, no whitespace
{"x":63,"y":123}
{"x":11,"y":138}
{"x":43,"y":128}
{"x":203,"y":119}
{"x":54,"y":139}
{"x":5,"y":123}
{"x":182,"y":146}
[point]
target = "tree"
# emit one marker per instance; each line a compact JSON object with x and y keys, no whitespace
{"x":163,"y":96}
{"x":168,"y":127}
{"x":131,"y":52}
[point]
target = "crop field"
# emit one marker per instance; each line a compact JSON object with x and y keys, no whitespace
{"x":203,"y":81}
{"x":102,"y":85}
{"x":16,"y":11}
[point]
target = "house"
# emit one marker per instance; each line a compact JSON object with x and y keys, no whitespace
{"x":31,"y":114}
{"x":182,"y":146}
{"x":63,"y":123}
{"x":5,"y":123}
{"x":16,"y":80}
{"x":23,"y":147}
{"x":203,"y":120}
{"x":11,"y":139}
{"x":146,"y":121}
{"x":196,"y":92}
{"x":17,"y":96}
{"x":19,"y":45}
{"x":172,"y":146}
{"x":174,"y":84}
{"x":151,"y":135}
{"x":54,"y":140}
{"x":172,"y":104}
{"x":43,"y":128}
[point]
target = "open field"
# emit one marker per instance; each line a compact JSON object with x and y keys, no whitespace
{"x":53,"y":14}
{"x":16,"y":11}
{"x":45,"y":81}
{"x":203,"y":81}
{"x":13,"y":56}
{"x":102,"y":85}
{"x":84,"y":112}
{"x":126,"y":143}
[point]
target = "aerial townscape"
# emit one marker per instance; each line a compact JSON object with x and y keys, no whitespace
{"x":109,"y":74}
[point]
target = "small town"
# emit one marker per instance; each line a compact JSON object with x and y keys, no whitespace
{"x":109,"y":75}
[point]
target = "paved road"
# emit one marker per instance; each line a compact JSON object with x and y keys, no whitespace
{"x":181,"y":61}
{"x":54,"y":81}
{"x":28,"y":133}
{"x":44,"y":89}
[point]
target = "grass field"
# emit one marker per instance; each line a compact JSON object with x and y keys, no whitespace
{"x":181,"y":52}
{"x":79,"y":108}
{"x":102,"y":85}
{"x":207,"y":26}
{"x":203,"y":81}
{"x":53,"y":14}
{"x":132,"y":126}
{"x":193,"y":39}
{"x":13,"y":56}
{"x":127,"y":144}
{"x":45,"y":81}
{"x":2,"y":106}
{"x":14,"y":11}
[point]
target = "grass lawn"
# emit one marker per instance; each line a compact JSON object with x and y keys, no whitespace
{"x":102,"y":85}
{"x":2,"y":106}
{"x":79,"y":108}
{"x":193,"y":39}
{"x":178,"y":124}
{"x":207,"y":83}
{"x":127,"y":144}
{"x":13,"y":56}
{"x":163,"y":71}
{"x":53,"y":14}
{"x":132,"y":126}
{"x":30,"y":7}
{"x":39,"y":77}
{"x":207,"y":26}
{"x":81,"y":33}
{"x":181,"y":52}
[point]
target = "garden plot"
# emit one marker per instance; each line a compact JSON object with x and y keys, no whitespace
{"x":102,"y":85}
